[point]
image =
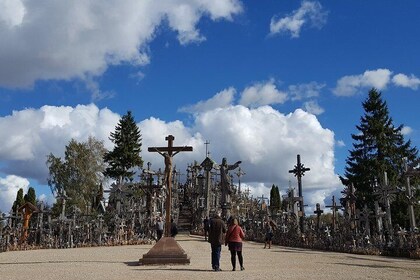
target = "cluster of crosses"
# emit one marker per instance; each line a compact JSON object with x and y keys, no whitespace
{"x":208,"y":189}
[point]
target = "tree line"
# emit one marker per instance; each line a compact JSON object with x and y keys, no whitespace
{"x":378,"y":147}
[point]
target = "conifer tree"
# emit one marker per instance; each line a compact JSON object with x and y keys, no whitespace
{"x":19,"y":200}
{"x":125,"y":156}
{"x":378,"y":147}
{"x":30,"y":196}
{"x":275,"y":201}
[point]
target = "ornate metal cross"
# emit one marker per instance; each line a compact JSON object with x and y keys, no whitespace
{"x":299,"y":172}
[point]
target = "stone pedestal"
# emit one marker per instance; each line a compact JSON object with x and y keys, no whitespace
{"x":165,"y":251}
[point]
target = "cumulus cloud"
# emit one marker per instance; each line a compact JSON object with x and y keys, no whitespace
{"x":351,"y":85}
{"x":32,"y":134}
{"x":266,"y":141}
{"x":403,"y":80}
{"x":9,"y":187}
{"x":71,"y":39}
{"x":261,"y":94}
{"x":313,"y":107}
{"x":12,"y":13}
{"x":220,"y":100}
{"x":310,"y":13}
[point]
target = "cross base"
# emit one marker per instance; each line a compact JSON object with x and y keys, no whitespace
{"x":165,"y":251}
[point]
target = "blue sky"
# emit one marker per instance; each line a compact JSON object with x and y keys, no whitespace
{"x":262,"y":81}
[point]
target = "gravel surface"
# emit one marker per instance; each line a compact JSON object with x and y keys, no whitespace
{"x":121,"y":262}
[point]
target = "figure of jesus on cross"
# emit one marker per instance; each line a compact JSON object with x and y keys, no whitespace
{"x":168,"y":152}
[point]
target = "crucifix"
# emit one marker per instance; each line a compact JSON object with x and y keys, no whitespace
{"x":299,"y":172}
{"x":318,"y":213}
{"x":168,"y":152}
{"x":364,"y":217}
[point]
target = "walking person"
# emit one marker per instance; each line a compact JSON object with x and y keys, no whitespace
{"x":268,"y":234}
{"x":159,"y":228}
{"x":174,"y":228}
{"x":217,"y":229}
{"x":206,"y":227}
{"x":234,"y":237}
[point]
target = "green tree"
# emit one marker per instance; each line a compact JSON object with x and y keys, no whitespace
{"x":275,"y":200}
{"x":378,"y":147}
{"x":19,"y":200}
{"x":125,"y":156}
{"x":79,"y":174}
{"x":30,"y":196}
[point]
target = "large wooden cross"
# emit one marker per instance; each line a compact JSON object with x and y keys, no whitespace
{"x":168,"y":152}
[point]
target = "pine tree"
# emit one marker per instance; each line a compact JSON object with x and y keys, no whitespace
{"x":31,"y":196}
{"x":19,"y":200}
{"x":275,"y":201}
{"x":379,"y":147}
{"x":127,"y":148}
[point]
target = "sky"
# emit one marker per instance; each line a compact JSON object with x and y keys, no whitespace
{"x":261,"y":81}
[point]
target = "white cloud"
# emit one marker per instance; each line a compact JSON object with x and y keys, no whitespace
{"x":11,"y":12}
{"x":406,"y":81}
{"x":28,"y":136}
{"x":406,"y":130}
{"x":71,"y":39}
{"x":220,"y":100}
{"x":309,"y":13}
{"x":47,"y":199}
{"x":303,"y":91}
{"x":350,"y":85}
{"x":261,"y":94}
{"x":266,"y":141}
{"x":313,"y":107}
{"x":340,"y":143}
{"x":9,"y":187}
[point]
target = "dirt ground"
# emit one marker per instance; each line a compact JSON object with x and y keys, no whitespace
{"x":121,"y":262}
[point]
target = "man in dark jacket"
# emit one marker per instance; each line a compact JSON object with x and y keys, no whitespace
{"x":217,"y":231}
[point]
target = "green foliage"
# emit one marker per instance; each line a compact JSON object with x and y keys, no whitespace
{"x":79,"y":174}
{"x":378,"y":147}
{"x":19,"y":200}
{"x":31,"y":196}
{"x":125,"y":156}
{"x":275,"y":199}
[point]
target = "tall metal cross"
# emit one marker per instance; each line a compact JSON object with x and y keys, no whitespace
{"x":386,"y":195}
{"x":239,"y":174}
{"x":299,"y":172}
{"x":168,"y":152}
{"x":207,"y":143}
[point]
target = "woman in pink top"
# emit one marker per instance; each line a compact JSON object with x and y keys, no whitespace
{"x":234,"y":237}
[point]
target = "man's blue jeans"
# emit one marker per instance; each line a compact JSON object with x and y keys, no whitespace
{"x":215,"y":256}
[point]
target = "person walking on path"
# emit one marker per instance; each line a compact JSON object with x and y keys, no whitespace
{"x":234,"y":237}
{"x":206,"y":227}
{"x":217,"y":229}
{"x":159,"y":228}
{"x":268,"y":234}
{"x":174,"y":228}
